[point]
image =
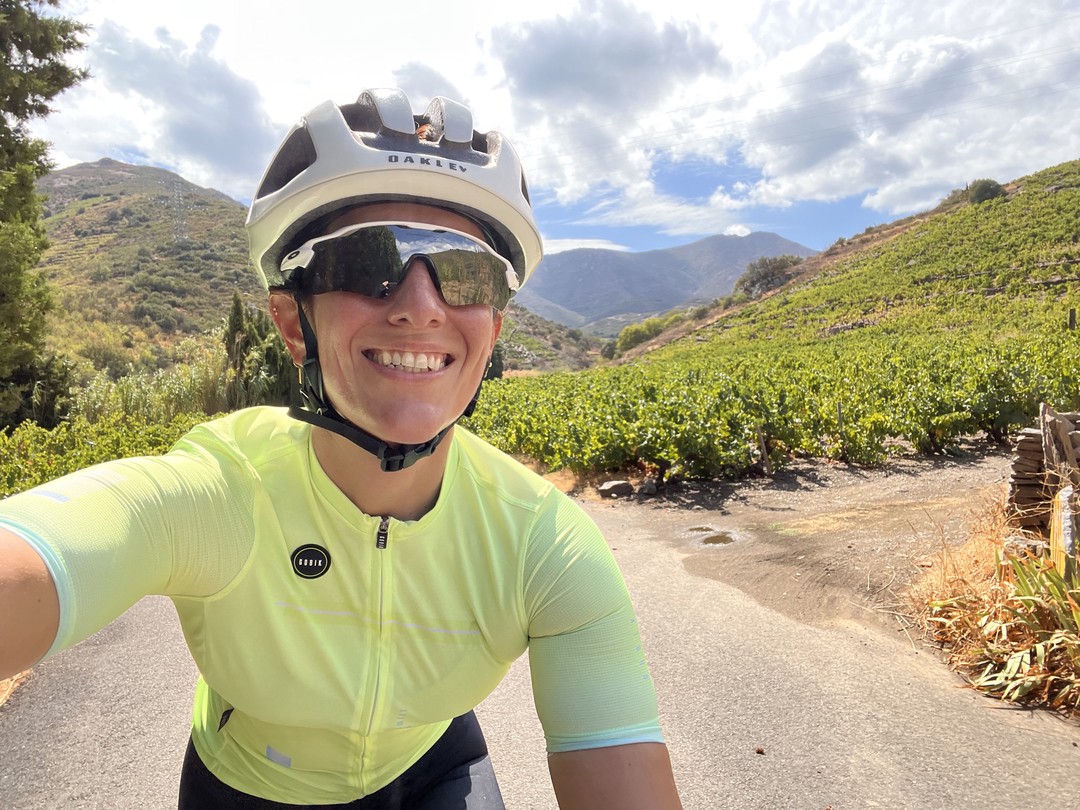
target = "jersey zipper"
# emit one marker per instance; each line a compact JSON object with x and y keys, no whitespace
{"x":381,"y":538}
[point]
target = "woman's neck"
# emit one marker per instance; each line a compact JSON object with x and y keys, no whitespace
{"x":407,"y":494}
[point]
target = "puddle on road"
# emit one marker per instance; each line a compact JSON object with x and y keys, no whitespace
{"x":712,"y":536}
{"x":718,"y":539}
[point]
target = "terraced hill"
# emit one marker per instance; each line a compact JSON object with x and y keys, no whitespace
{"x":945,"y":325}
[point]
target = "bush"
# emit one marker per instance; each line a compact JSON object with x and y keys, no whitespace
{"x":982,"y":190}
{"x":766,"y":273}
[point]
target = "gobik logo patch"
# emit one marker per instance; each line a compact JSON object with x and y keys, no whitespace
{"x":310,"y":561}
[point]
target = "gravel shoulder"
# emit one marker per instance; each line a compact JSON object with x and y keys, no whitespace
{"x":825,"y":543}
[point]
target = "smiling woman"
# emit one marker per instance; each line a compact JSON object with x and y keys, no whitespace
{"x":355,"y":575}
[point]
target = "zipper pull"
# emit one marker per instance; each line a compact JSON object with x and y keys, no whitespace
{"x":381,"y":535}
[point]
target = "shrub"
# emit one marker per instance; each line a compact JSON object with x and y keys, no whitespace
{"x":982,"y":190}
{"x":766,"y":273}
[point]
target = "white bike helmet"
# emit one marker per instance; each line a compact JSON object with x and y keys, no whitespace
{"x":377,"y":150}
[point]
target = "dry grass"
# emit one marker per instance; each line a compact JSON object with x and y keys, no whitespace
{"x":7,"y":687}
{"x":1008,"y":622}
{"x":965,"y":572}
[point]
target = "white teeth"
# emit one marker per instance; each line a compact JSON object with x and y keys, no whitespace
{"x":416,"y":363}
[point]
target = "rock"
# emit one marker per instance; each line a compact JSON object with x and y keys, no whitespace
{"x":648,"y":487}
{"x":1019,"y":547}
{"x":615,"y":489}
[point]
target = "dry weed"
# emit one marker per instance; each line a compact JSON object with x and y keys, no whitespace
{"x":967,"y":572}
{"x":8,"y":686}
{"x":1009,"y":623}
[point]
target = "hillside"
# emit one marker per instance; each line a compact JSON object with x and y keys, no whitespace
{"x":138,"y":259}
{"x":1004,"y":265}
{"x":895,"y":260}
{"x":141,"y":259}
{"x":906,"y":338}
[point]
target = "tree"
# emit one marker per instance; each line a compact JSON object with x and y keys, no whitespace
{"x":32,"y":72}
{"x":766,"y":273}
{"x":982,"y":190}
{"x":260,"y":367}
{"x":498,"y":363}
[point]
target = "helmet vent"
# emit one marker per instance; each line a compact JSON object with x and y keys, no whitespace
{"x":480,"y":143}
{"x":295,"y":155}
{"x":361,"y":117}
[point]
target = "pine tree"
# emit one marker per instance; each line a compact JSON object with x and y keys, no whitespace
{"x":33,"y":45}
{"x":260,"y":368}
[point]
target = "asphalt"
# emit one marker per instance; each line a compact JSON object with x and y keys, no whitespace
{"x":760,"y":711}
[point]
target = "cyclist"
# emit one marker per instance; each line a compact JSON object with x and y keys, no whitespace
{"x":355,"y":575}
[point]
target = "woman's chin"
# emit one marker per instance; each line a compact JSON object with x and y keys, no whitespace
{"x":395,"y":432}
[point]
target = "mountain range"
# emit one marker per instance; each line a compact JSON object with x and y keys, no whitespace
{"x":600,"y":290}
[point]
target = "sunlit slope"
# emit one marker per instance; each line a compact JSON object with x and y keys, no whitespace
{"x":958,"y":325}
{"x":999,"y":264}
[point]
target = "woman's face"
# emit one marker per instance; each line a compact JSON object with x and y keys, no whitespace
{"x":402,"y":367}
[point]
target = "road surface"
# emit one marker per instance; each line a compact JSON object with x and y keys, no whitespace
{"x":760,"y":710}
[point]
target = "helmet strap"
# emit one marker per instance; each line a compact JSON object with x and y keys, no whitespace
{"x":318,"y":411}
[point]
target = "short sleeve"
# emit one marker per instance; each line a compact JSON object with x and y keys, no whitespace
{"x":591,"y":682}
{"x":115,"y":532}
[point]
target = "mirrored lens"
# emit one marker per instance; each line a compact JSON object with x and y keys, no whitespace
{"x":372,"y":259}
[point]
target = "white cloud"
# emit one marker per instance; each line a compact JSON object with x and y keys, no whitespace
{"x":553,"y":246}
{"x":894,"y":102}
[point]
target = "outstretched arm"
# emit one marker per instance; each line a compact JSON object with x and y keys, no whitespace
{"x":29,"y":608}
{"x":620,"y":777}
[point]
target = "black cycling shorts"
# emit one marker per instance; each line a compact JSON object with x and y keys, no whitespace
{"x":454,"y":773}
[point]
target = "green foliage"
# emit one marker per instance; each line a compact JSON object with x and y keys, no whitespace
{"x":32,"y":455}
{"x":766,"y":273}
{"x":260,"y":369}
{"x":637,"y":333}
{"x":44,"y":385}
{"x":32,"y":68}
{"x":982,"y":190}
{"x":207,"y":380}
{"x":32,"y":72}
{"x":495,"y":370}
{"x":954,"y":328}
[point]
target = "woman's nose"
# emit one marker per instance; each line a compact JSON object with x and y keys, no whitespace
{"x":417,"y":299}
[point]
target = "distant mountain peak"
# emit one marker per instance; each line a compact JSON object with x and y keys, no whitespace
{"x":584,"y":285}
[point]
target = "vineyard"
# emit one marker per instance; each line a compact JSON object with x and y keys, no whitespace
{"x":958,"y":326}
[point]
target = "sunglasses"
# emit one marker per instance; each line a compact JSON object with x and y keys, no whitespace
{"x":372,"y":259}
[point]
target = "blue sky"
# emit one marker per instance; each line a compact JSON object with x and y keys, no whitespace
{"x":641,"y":124}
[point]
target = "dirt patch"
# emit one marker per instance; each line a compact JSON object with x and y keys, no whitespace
{"x":827,"y":542}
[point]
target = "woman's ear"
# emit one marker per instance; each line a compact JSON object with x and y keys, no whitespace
{"x":284,"y":313}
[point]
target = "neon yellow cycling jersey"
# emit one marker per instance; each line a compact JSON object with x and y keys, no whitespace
{"x":335,"y":647}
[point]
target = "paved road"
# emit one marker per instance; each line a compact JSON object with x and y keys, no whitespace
{"x":847,"y":717}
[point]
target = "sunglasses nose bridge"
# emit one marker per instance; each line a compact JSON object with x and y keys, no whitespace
{"x":412,"y":281}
